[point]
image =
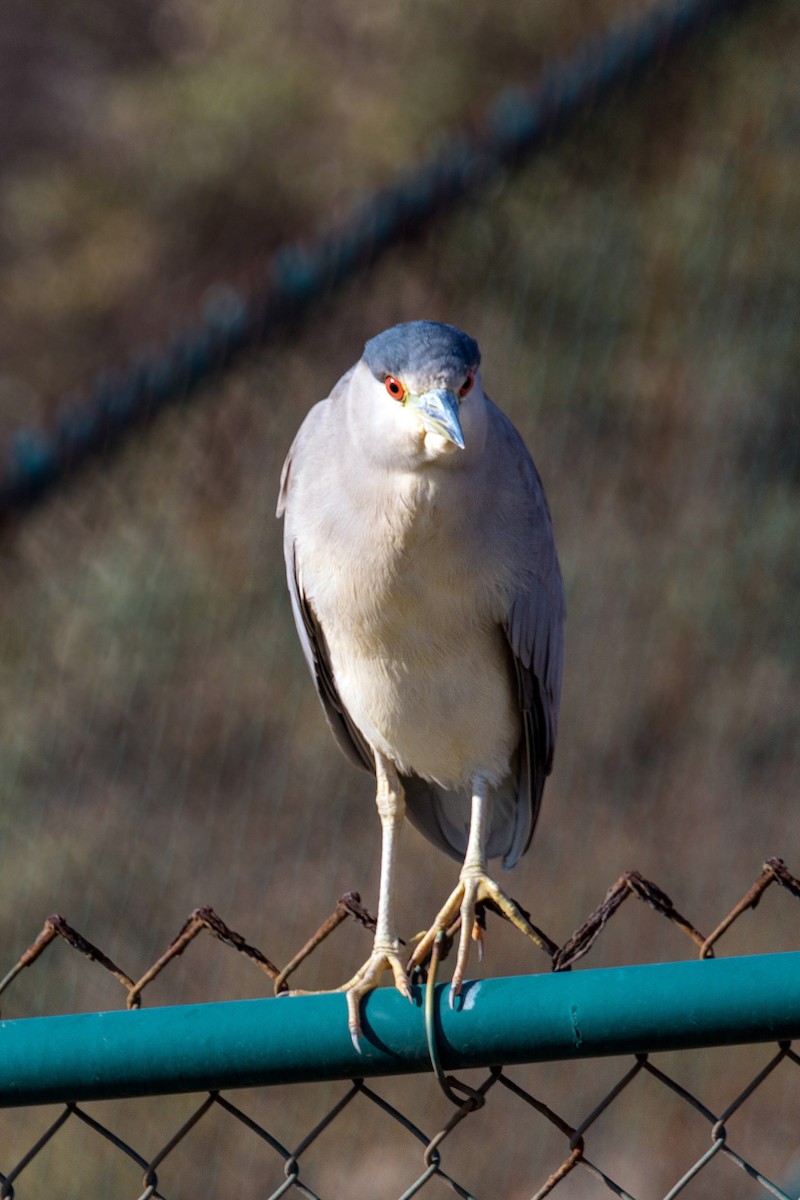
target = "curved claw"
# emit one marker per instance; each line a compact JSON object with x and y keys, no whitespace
{"x":473,"y":887}
{"x":366,"y":979}
{"x":471,"y":894}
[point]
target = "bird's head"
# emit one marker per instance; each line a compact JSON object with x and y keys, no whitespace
{"x":421,"y":384}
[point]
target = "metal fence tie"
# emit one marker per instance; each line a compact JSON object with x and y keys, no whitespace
{"x":446,"y":1082}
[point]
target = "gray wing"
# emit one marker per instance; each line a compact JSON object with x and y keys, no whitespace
{"x":314,"y":646}
{"x":535,"y":632}
{"x":315,"y":649}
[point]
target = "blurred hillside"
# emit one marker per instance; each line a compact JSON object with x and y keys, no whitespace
{"x":635,"y":294}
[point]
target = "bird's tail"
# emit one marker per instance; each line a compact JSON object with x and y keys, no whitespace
{"x":442,"y":816}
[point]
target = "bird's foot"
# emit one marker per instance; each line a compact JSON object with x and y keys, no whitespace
{"x":385,"y":956}
{"x":474,"y":886}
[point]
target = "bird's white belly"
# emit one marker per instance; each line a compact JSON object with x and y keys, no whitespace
{"x":419,"y":656}
{"x":445,"y":712}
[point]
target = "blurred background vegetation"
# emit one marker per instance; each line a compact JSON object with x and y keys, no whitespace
{"x":635,"y":293}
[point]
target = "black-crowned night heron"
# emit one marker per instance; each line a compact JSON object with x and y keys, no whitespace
{"x":428,"y":598}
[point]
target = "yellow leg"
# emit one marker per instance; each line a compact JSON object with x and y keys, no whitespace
{"x":474,"y":885}
{"x":385,"y":954}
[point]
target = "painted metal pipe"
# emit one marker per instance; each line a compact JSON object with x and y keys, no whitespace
{"x":245,"y":1043}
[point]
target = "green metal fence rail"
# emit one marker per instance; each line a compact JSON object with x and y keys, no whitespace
{"x":567,"y":1016}
{"x":247,"y":1043}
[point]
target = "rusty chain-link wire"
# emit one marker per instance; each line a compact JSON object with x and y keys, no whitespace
{"x":468,"y":1099}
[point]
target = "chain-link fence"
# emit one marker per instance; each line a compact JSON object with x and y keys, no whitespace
{"x":754,"y":1003}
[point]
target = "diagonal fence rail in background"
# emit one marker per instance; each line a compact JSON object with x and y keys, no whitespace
{"x":518,"y":123}
{"x":497,"y":1024}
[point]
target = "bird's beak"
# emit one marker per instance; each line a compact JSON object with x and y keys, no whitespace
{"x":438,"y":411}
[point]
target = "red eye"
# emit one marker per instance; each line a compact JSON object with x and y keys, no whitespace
{"x":466,"y":385}
{"x":395,"y":388}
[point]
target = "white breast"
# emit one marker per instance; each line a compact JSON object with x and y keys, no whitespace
{"x":414,"y":633}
